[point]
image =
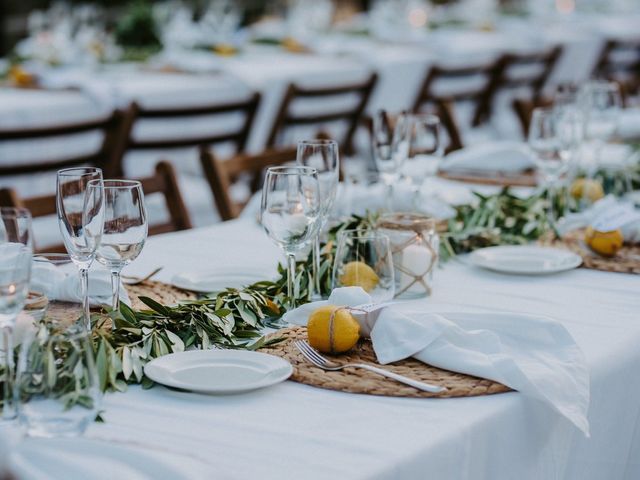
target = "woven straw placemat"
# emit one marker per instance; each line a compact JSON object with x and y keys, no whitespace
{"x":356,"y":380}
{"x":627,"y":260}
{"x":160,"y":292}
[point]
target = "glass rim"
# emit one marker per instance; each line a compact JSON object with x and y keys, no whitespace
{"x":109,"y":183}
{"x":406,"y":221}
{"x":292,"y":170}
{"x":318,"y":142}
{"x":363,"y":234}
{"x":74,"y":171}
{"x":15,"y":212}
{"x":52,"y":257}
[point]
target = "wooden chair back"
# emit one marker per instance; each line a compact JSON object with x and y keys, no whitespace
{"x":163,"y":181}
{"x":619,"y":60}
{"x":105,"y":157}
{"x":476,"y":80}
{"x":286,"y":118}
{"x":238,"y":137}
{"x":221,"y":174}
{"x":523,"y":109}
{"x":539,"y":67}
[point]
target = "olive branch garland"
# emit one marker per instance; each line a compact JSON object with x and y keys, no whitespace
{"x":125,"y":340}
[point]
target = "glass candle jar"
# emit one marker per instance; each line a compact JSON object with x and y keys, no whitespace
{"x":414,"y":246}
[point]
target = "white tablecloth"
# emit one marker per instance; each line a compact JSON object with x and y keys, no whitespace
{"x":297,"y":431}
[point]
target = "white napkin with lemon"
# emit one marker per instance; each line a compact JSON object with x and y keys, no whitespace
{"x":63,"y":283}
{"x":532,"y":354}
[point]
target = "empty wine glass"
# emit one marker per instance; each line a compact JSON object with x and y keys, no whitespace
{"x":390,"y":148}
{"x":601,"y":103}
{"x":425,"y":152}
{"x":364,"y":259}
{"x":323,"y":156}
{"x":125,"y":228}
{"x":553,"y":136}
{"x":15,"y":274}
{"x":80,"y":218}
{"x":290,"y":212}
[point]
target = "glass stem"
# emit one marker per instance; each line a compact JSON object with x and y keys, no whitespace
{"x":291,"y":275}
{"x":115,"y":288}
{"x":9,"y":405}
{"x":389,"y":195}
{"x":84,"y":285}
{"x":550,"y":196}
{"x":315,"y":292}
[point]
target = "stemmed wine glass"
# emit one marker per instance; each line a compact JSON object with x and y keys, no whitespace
{"x":80,"y":218}
{"x":323,"y":156}
{"x":601,"y":102}
{"x":390,"y":149}
{"x":425,"y":151}
{"x":552,"y":137}
{"x":125,"y":228}
{"x":290,"y":212}
{"x":15,"y":273}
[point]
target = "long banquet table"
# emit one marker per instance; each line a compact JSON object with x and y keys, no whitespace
{"x":297,"y":431}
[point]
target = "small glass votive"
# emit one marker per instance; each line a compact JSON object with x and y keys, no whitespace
{"x":414,"y":246}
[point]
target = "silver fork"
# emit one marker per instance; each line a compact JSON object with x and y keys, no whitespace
{"x":319,"y":361}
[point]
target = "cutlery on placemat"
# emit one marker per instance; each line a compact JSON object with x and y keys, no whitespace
{"x":319,"y":361}
{"x":131,"y":280}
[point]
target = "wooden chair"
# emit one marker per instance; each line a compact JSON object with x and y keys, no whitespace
{"x":443,"y":104}
{"x":105,"y":157}
{"x":238,"y":138}
{"x":505,"y":76}
{"x":163,"y":181}
{"x":221,"y":174}
{"x":286,"y":118}
{"x":619,"y":60}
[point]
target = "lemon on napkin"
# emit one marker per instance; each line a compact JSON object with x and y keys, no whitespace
{"x":332,"y":329}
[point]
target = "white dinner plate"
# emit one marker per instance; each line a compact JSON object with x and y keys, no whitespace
{"x":220,"y":278}
{"x":218,"y":371}
{"x":526,"y":260}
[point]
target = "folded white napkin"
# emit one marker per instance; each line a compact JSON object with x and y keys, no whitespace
{"x":63,"y":283}
{"x":606,"y":215}
{"x":534,"y":355}
{"x":495,"y":156}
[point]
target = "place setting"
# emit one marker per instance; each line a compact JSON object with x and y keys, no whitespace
{"x":378,"y":238}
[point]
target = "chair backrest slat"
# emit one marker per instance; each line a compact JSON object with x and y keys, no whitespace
{"x":221,"y":174}
{"x":286,"y":118}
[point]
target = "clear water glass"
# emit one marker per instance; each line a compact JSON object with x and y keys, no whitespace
{"x":57,"y":381}
{"x":290,"y":212}
{"x":365,"y":259}
{"x":15,"y":274}
{"x":553,"y":138}
{"x":125,"y":228}
{"x":80,"y":218}
{"x":390,"y":148}
{"x":425,"y":152}
{"x":322,"y":155}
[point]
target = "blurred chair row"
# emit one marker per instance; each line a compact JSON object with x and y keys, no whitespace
{"x":530,"y":71}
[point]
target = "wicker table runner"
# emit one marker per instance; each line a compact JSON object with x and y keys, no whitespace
{"x":355,"y":380}
{"x":627,"y":260}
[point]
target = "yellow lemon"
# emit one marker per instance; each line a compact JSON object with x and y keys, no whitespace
{"x":584,"y":188}
{"x":359,"y":274}
{"x":332,"y":329}
{"x":20,"y":77}
{"x":294,"y":46}
{"x":606,"y":244}
{"x":225,"y":49}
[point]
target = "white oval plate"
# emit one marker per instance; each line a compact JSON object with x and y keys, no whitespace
{"x":525,"y":260}
{"x":218,"y":371}
{"x":219,"y":279}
